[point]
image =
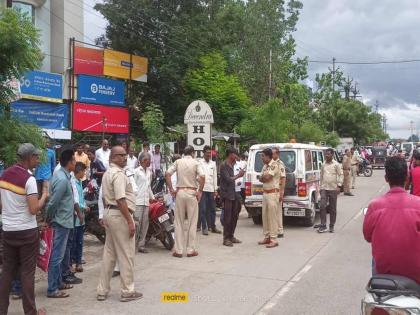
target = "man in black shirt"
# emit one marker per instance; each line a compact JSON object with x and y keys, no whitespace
{"x":231,"y":199}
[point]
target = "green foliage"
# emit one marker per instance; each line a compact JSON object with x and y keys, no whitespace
{"x":14,"y":133}
{"x":152,"y":120}
{"x":19,"y":49}
{"x":223,"y":92}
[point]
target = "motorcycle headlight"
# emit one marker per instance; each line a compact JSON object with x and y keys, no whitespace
{"x":376,"y":309}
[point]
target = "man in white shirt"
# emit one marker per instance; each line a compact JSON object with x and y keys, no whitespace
{"x":102,"y":154}
{"x":207,"y":207}
{"x":131,"y":160}
{"x":143,"y":179}
{"x":156,"y":161}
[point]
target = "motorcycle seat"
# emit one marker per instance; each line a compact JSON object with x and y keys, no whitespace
{"x":384,"y":282}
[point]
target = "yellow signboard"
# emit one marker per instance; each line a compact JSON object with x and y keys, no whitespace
{"x":125,"y":66}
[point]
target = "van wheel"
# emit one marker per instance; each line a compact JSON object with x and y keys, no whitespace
{"x":311,"y":213}
{"x":257,"y":219}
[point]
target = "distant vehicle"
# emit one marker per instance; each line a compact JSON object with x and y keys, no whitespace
{"x":408,"y":148}
{"x":302,"y":192}
{"x":378,"y":157}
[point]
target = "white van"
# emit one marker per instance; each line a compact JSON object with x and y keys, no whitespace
{"x":301,"y":197}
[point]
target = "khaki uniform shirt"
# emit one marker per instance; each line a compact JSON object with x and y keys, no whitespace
{"x":354,"y":160}
{"x":116,"y":185}
{"x":331,"y":175}
{"x":187,"y":170}
{"x":346,"y":163}
{"x":282,"y":168}
{"x":272,"y":169}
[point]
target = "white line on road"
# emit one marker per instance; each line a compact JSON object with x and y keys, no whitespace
{"x":286,"y":288}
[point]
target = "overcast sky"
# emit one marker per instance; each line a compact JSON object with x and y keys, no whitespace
{"x":368,"y":30}
{"x":355,"y":30}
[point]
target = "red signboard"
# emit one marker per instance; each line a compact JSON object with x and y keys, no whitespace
{"x":99,"y":118}
{"x":88,"y":61}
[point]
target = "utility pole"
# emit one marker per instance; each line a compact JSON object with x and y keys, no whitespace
{"x":384,"y":123}
{"x":411,"y":129}
{"x":355,"y":91}
{"x":376,"y":106}
{"x":270,"y":79}
{"x":347,"y":87}
{"x":333,"y":73}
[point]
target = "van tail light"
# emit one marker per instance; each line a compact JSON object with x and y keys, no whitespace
{"x":248,"y":189}
{"x":302,"y":192}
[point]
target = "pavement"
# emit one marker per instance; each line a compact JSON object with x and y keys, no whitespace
{"x":308,"y":273}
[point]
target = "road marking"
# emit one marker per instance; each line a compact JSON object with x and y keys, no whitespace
{"x":267,"y":307}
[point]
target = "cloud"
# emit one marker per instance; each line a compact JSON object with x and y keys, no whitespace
{"x":361,"y":30}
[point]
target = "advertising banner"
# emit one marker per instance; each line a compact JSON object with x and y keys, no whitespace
{"x":97,"y":118}
{"x":96,"y":90}
{"x":88,"y":61}
{"x":125,"y":66}
{"x":42,"y":86}
{"x":44,"y":115}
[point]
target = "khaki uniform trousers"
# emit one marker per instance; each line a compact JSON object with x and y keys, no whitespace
{"x":347,"y":180}
{"x":186,"y":207}
{"x":353,"y":175}
{"x":118,"y":247}
{"x":270,"y":207}
{"x":280,"y":216}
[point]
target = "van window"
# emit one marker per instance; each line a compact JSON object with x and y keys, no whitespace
{"x":315,"y":165}
{"x":308,"y":160}
{"x":287,"y":157}
{"x":320,"y":158}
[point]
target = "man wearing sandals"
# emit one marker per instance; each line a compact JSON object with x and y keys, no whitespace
{"x":270,"y":177}
{"x":60,"y":213}
{"x":120,"y":204}
{"x":20,"y":204}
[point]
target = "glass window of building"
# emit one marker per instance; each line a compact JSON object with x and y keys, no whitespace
{"x":25,"y":8}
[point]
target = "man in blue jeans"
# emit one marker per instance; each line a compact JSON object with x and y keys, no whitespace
{"x":60,"y":212}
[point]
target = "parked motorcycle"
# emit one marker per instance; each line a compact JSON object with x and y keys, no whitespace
{"x":365,"y":168}
{"x":391,"y":295}
{"x":161,"y":223}
{"x":92,"y":225}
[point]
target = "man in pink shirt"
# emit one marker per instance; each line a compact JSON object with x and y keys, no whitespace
{"x":392,"y":225}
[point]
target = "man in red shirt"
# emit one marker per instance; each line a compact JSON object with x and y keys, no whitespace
{"x":392,"y":225}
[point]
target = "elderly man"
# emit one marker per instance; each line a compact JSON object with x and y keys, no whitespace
{"x":143,"y":179}
{"x":102,"y":154}
{"x":20,"y":204}
{"x":119,"y":202}
{"x":188,"y":171}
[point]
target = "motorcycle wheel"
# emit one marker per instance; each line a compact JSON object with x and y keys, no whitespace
{"x":168,"y":241}
{"x":368,"y":172}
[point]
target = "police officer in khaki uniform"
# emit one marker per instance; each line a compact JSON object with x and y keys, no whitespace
{"x":276,"y":158}
{"x":119,"y":203}
{"x":346,"y":163}
{"x":270,"y":177}
{"x":187,"y":194}
{"x":354,"y":167}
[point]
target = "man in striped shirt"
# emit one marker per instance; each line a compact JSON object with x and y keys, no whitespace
{"x":20,"y":204}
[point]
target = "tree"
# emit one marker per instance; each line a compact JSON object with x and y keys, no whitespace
{"x":19,"y":50}
{"x":413,"y":138}
{"x":223,"y":92}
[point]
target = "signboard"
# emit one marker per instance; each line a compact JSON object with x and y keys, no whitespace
{"x":97,"y":90}
{"x":97,"y":118}
{"x":88,"y":61}
{"x":125,"y":66}
{"x":58,"y":134}
{"x":44,"y":115}
{"x":198,"y":118}
{"x":42,"y":86}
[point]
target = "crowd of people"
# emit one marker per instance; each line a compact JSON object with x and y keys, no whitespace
{"x":125,"y":182}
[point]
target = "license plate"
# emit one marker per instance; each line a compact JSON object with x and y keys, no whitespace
{"x":294,"y":212}
{"x":163,"y":218}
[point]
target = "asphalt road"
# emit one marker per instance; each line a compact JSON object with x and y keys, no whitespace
{"x":309,"y":273}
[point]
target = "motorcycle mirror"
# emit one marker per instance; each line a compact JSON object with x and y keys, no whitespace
{"x":365,"y":210}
